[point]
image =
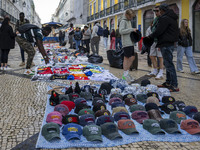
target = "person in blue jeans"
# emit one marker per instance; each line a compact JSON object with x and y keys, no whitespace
{"x":167,"y":34}
{"x":185,"y":46}
{"x":118,"y":39}
{"x":77,"y":37}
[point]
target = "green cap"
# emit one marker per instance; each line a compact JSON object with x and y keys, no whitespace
{"x":110,"y":130}
{"x":169,"y":126}
{"x":152,"y":126}
{"x":142,"y":98}
{"x":86,"y":95}
{"x":136,"y":108}
{"x":92,"y":133}
{"x":85,"y":111}
{"x":51,"y":131}
{"x":177,"y":116}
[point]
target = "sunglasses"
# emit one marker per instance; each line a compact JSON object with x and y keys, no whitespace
{"x":156,"y":10}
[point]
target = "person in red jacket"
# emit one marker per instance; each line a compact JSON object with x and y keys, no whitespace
{"x":112,"y":39}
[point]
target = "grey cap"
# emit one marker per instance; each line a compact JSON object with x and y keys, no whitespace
{"x":164,"y":7}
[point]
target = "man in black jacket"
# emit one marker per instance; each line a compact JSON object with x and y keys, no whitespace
{"x":167,"y":34}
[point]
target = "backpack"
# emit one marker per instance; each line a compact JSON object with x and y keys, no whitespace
{"x":25,"y":27}
{"x":100,"y":31}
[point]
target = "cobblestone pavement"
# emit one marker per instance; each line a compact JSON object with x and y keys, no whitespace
{"x":23,"y":103}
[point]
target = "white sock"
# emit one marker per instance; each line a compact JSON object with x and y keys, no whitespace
{"x":126,"y":73}
{"x":155,"y":70}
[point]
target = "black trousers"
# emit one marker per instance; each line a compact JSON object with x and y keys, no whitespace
{"x":4,"y":55}
{"x":87,"y":42}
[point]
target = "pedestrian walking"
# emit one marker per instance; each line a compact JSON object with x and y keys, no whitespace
{"x":77,"y":37}
{"x":26,"y":39}
{"x":112,"y":39}
{"x":7,"y":42}
{"x":155,"y":53}
{"x":71,"y":36}
{"x":185,"y":46}
{"x":95,"y":39}
{"x":125,"y":30}
{"x":106,"y":33}
{"x":166,"y":33}
{"x":118,"y":39}
{"x":20,"y":22}
{"x":86,"y":38}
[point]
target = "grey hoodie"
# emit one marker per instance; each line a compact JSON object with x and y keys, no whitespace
{"x":125,"y":29}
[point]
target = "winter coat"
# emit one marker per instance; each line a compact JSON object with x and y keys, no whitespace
{"x":185,"y":40}
{"x":87,"y":34}
{"x":125,"y":29}
{"x":95,"y":30}
{"x":77,"y":35}
{"x":7,"y":38}
{"x":167,"y":29}
{"x":106,"y":33}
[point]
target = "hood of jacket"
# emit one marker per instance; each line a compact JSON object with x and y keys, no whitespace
{"x":170,"y":13}
{"x":124,"y":18}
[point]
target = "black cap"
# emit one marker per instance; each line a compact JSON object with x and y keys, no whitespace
{"x":98,"y":100}
{"x":105,"y":88}
{"x":167,"y":108}
{"x":81,"y":106}
{"x":164,"y":7}
{"x":168,"y":99}
{"x":150,"y":106}
{"x":153,"y":94}
{"x":72,"y":118}
{"x":77,"y":88}
{"x":73,"y":96}
{"x":54,"y":99}
{"x":99,"y":106}
{"x":69,"y":90}
{"x":116,"y":95}
{"x":197,"y":117}
{"x":145,"y":82}
{"x":136,"y":36}
{"x":147,"y":41}
{"x":180,"y":105}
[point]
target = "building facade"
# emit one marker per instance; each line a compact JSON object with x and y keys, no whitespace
{"x":110,"y":12}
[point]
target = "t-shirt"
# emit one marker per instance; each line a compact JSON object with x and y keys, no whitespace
{"x":31,"y":36}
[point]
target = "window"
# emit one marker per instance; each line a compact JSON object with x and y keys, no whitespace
{"x":99,"y":5}
{"x":90,"y":10}
{"x":104,"y":4}
{"x":147,"y":19}
{"x":94,"y":8}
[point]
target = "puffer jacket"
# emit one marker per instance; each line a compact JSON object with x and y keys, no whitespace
{"x":125,"y":29}
{"x":185,"y":40}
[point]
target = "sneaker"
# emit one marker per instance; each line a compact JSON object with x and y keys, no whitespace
{"x":173,"y":89}
{"x":159,"y":76}
{"x":196,"y":72}
{"x":181,"y":71}
{"x":2,"y":68}
{"x":7,"y":68}
{"x":28,"y":72}
{"x":22,"y":64}
{"x":164,"y":85}
{"x":151,"y":74}
{"x":130,"y":77}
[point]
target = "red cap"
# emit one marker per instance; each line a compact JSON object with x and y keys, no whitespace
{"x":191,"y":126}
{"x":69,"y":104}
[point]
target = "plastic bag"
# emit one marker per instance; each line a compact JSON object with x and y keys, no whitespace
{"x":115,"y":58}
{"x":95,"y":59}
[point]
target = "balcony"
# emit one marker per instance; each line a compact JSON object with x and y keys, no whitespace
{"x":102,"y":13}
{"x":97,"y":16}
{"x":109,"y":11}
{"x":92,"y":17}
{"x":117,"y":7}
{"x":140,"y":2}
{"x":126,"y":4}
{"x":88,"y":18}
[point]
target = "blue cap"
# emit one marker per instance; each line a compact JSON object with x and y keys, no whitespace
{"x":103,"y":119}
{"x":121,"y":115}
{"x":88,"y":73}
{"x":190,"y":110}
{"x":117,"y":104}
{"x":70,"y":77}
{"x":72,"y":131}
{"x":80,"y":100}
{"x":87,"y":119}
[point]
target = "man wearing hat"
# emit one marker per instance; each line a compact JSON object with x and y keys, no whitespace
{"x":167,"y":34}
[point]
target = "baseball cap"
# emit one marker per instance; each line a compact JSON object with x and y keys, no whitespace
{"x":51,"y":131}
{"x":105,"y":88}
{"x":164,"y":7}
{"x":115,"y":91}
{"x":177,"y":116}
{"x":103,"y":119}
{"x":130,"y":101}
{"x":155,"y":114}
{"x":110,"y":131}
{"x":153,"y":99}
{"x":81,"y":106}
{"x":136,"y":107}
{"x":119,"y":109}
{"x":87,"y":119}
{"x":69,"y":104}
{"x":55,"y":117}
{"x":145,"y":82}
{"x":86,"y":95}
{"x":140,"y":116}
{"x":117,"y":104}
{"x":141,"y":97}
{"x":73,"y":96}
{"x":114,"y":99}
{"x":80,"y":100}
{"x":116,"y":95}
{"x":61,"y":108}
{"x":190,"y":110}
{"x":101,"y":113}
{"x":121,"y":115}
{"x":150,"y":106}
{"x":135,"y":36}
{"x":72,"y":131}
{"x":127,"y":126}
{"x":191,"y":126}
{"x":98,"y":100}
{"x":92,"y":133}
{"x":87,"y":88}
{"x":167,"y":108}
{"x":129,"y":96}
{"x":71,"y":118}
{"x":153,"y":94}
{"x":85,"y":111}
{"x":63,"y":97}
{"x":54,"y":99}
{"x":168,"y":99}
{"x":152,"y":126}
{"x":180,"y":105}
{"x":197,"y":116}
{"x":99,"y":106}
{"x":169,"y":126}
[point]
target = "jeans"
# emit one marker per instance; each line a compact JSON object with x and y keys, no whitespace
{"x":78,"y":42}
{"x":4,"y":55}
{"x":105,"y":42}
{"x":118,"y":41}
{"x":95,"y":45}
{"x":22,"y":54}
{"x":188,"y":53}
{"x":171,"y":77}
